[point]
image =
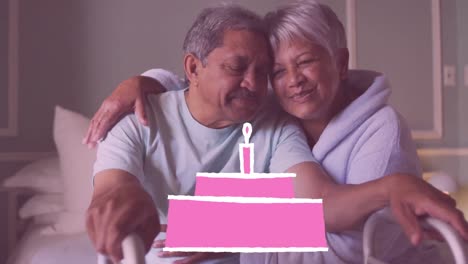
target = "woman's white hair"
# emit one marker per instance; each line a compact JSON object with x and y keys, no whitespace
{"x":308,"y":20}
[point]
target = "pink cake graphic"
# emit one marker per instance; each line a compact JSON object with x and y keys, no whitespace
{"x":245,"y":212}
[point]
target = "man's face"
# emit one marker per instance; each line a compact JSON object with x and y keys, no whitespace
{"x":234,"y":80}
{"x":305,"y":79}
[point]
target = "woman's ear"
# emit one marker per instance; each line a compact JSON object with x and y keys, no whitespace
{"x":342,"y":62}
{"x":192,"y":66}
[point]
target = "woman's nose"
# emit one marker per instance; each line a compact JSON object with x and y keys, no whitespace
{"x":295,"y":78}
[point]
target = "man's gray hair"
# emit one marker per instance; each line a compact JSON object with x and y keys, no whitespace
{"x":308,"y":20}
{"x":207,"y":32}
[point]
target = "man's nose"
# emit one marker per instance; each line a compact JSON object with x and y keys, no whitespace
{"x":251,"y":81}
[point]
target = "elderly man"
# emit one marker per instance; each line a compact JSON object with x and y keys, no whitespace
{"x":227,"y":61}
{"x":193,"y":130}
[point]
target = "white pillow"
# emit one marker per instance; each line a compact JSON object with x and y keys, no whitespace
{"x":46,"y":219}
{"x":66,"y":223}
{"x":41,"y":204}
{"x":42,"y":175}
{"x":76,"y":162}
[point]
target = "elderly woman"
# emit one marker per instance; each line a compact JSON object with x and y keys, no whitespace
{"x":351,"y":130}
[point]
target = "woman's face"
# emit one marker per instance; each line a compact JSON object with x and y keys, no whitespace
{"x":305,"y":79}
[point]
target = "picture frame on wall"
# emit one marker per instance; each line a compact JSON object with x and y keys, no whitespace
{"x":9,"y":68}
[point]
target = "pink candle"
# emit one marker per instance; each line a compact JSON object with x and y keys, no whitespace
{"x":246,"y":150}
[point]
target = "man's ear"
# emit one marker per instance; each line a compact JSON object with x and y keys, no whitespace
{"x":342,"y":63}
{"x":192,"y":66}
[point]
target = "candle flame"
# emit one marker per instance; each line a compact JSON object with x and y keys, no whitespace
{"x":247,"y":131}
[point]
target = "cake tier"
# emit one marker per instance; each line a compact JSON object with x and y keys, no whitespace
{"x":241,"y":224}
{"x":277,"y":185}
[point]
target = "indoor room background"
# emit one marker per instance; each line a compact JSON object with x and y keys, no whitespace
{"x":74,"y":53}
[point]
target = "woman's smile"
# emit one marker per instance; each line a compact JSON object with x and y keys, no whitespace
{"x":303,"y":95}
